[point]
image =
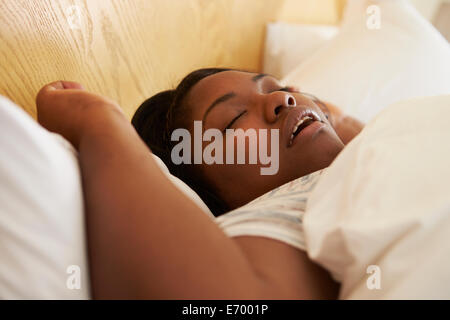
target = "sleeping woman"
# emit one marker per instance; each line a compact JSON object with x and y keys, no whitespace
{"x":147,"y":239}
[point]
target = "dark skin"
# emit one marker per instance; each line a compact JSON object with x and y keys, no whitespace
{"x":139,"y":245}
{"x":250,"y":100}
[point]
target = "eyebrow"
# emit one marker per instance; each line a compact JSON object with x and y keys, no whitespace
{"x":219,"y":100}
{"x":230,"y":95}
{"x":259,"y":76}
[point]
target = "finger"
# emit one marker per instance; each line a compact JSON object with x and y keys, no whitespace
{"x":57,"y":85}
{"x":61,"y":85}
{"x":72,"y":85}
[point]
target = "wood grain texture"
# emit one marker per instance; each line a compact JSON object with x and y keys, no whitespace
{"x":131,"y":49}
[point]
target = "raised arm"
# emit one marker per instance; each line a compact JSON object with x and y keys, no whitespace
{"x":146,"y":238}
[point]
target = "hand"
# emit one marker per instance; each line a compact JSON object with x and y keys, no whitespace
{"x":67,"y":108}
{"x":345,"y":126}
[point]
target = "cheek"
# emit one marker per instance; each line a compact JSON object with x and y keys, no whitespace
{"x":313,"y":156}
{"x":251,"y":147}
{"x":303,"y":100}
{"x":232,"y":178}
{"x":231,"y":173}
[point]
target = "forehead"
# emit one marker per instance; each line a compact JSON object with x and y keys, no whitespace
{"x":204,"y":92}
{"x":221,"y":82}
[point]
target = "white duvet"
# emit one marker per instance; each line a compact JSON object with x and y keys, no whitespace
{"x":379,"y":218}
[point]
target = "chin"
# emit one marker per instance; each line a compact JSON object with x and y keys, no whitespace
{"x":329,"y":150}
{"x":316,"y":155}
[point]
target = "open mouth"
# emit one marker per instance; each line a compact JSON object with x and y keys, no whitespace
{"x":302,"y":123}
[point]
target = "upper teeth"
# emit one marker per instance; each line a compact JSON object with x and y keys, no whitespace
{"x":314,"y":116}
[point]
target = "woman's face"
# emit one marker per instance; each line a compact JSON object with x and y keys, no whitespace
{"x":235,"y":99}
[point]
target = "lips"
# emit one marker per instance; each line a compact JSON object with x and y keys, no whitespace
{"x":297,"y":120}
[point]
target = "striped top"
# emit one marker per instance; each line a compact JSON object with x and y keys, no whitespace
{"x":277,"y":214}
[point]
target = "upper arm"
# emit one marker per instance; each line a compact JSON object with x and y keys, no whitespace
{"x":287,"y":272}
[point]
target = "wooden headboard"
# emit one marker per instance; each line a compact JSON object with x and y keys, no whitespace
{"x":131,"y":49}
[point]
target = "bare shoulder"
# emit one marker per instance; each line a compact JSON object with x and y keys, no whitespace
{"x":288,"y":271}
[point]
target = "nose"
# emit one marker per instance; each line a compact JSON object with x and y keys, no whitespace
{"x":276,"y":102}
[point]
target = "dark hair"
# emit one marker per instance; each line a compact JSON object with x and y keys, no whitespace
{"x":155,"y":120}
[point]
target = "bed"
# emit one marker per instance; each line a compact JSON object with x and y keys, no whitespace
{"x":130,"y":50}
{"x":126,"y":50}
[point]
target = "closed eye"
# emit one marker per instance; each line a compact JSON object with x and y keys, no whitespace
{"x":286,"y":89}
{"x":234,"y":120}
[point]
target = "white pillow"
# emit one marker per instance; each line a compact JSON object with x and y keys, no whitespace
{"x":287,"y":45}
{"x":381,"y":211}
{"x":42,"y":234}
{"x":363,"y":70}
